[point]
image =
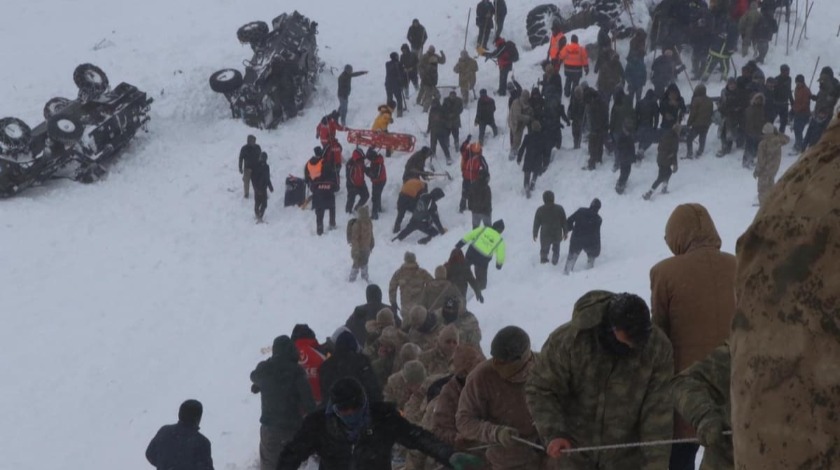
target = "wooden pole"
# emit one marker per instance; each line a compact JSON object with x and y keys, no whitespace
{"x":814,"y":73}
{"x":467,"y":29}
{"x":805,"y":25}
{"x":787,"y":40}
{"x":795,"y":22}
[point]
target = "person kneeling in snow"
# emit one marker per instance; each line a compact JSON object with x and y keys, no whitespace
{"x":353,"y":432}
{"x":424,"y":218}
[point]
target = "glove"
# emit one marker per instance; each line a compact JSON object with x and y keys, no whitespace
{"x":464,"y":461}
{"x":499,"y":267}
{"x":557,"y":446}
{"x":254,"y":388}
{"x":505,"y":435}
{"x":710,"y":431}
{"x":479,"y":297}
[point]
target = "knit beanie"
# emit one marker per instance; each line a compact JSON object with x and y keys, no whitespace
{"x":440,"y":273}
{"x":416,"y":316}
{"x":629,"y":313}
{"x":414,"y":372}
{"x":447,"y":333}
{"x":385,"y":317}
{"x":510,"y":344}
{"x":410,"y":257}
{"x":409,"y":352}
{"x":190,"y":412}
{"x":768,"y":129}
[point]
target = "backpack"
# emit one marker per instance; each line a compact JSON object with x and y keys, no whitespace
{"x":514,"y":51}
{"x":350,"y":224}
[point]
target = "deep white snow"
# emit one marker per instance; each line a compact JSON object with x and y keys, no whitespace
{"x":125,"y":297}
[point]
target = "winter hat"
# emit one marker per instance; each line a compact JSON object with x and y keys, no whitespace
{"x":190,"y":412}
{"x":346,"y":342}
{"x":499,"y":41}
{"x":390,"y":337}
{"x":347,"y":393}
{"x":394,"y":56}
{"x":448,"y":333}
{"x":318,"y":151}
{"x":263,"y":157}
{"x":548,"y":197}
{"x":629,"y":313}
{"x":416,"y":316}
{"x":595,"y":204}
{"x":431,"y":49}
{"x":302,"y":331}
{"x":482,"y":92}
{"x":409,"y":257}
{"x":574,"y":38}
{"x":799,"y":78}
{"x":510,"y":344}
{"x":768,"y":129}
{"x":348,"y":68}
{"x":385,"y":317}
{"x":499,"y":225}
{"x":373,"y":293}
{"x":465,"y":359}
{"x":784,"y":68}
{"x":465,"y":54}
{"x":440,"y":272}
{"x":251,"y":140}
{"x":409,"y":351}
{"x":414,"y":372}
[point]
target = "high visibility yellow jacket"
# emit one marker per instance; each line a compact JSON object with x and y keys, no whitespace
{"x":487,"y":241}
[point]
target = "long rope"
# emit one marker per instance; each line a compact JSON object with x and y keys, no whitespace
{"x":627,"y":445}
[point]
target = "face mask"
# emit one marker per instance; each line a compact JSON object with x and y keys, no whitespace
{"x":351,"y":420}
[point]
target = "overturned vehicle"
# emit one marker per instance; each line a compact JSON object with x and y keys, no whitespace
{"x":279,"y":78}
{"x":584,"y":13}
{"x":77,"y":136}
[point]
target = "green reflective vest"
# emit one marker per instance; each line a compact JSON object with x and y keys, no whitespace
{"x":487,"y":241}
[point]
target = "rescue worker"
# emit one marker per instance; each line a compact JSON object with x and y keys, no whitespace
{"x":473,"y":164}
{"x":428,"y":71}
{"x":261,"y":180}
{"x":417,"y":37}
{"x":602,"y":379}
{"x":484,"y":243}
{"x":699,"y":119}
{"x":454,"y":312}
{"x":410,"y":192}
{"x":458,"y":272}
{"x":555,"y":46}
{"x":378,"y":177}
{"x":181,"y":445}
{"x":344,"y":86}
{"x":438,"y":359}
{"x":505,"y":55}
{"x":575,"y":64}
{"x":453,"y":107}
{"x":484,"y":13}
{"x":666,"y":159}
{"x":480,"y":200}
{"x":394,"y":82}
{"x":485,"y":112}
{"x":519,"y":117}
{"x":425,"y":218}
{"x":356,"y":184}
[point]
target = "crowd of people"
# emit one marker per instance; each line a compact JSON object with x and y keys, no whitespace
{"x":406,"y":384}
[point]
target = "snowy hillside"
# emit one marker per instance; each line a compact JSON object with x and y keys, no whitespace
{"x":125,"y":297}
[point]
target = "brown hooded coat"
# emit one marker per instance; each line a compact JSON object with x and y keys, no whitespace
{"x":693,"y":292}
{"x":785,"y":341}
{"x":361,"y":237}
{"x":436,"y":291}
{"x":410,"y":278}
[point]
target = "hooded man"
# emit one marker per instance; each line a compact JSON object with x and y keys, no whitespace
{"x":438,"y":290}
{"x":438,"y":359}
{"x":261,"y":180}
{"x":180,"y":446}
{"x":692,"y":299}
{"x":410,"y":279}
{"x":286,"y":398}
{"x":366,"y":312}
{"x":492,"y":407}
{"x":484,"y":243}
{"x":699,"y":120}
{"x":348,"y":361}
{"x":425,"y":218}
{"x":585,"y":226}
{"x":602,"y":379}
{"x":360,"y":236}
{"x":453,"y":312}
{"x":768,"y":159}
{"x":466,"y":68}
{"x":550,"y":225}
{"x":356,"y":432}
{"x":666,"y":159}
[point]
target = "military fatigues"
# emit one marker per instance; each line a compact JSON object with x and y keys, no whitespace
{"x":768,"y":160}
{"x":361,"y":243}
{"x":700,"y":393}
{"x":579,"y":391}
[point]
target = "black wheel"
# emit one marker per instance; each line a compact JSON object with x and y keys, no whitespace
{"x":226,"y":81}
{"x":252,"y":32}
{"x":54,"y":106}
{"x":65,"y":128}
{"x":15,"y":136}
{"x":539,"y":21}
{"x":91,"y":80}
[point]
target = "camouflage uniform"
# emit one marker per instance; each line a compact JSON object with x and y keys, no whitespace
{"x":768,"y":158}
{"x":438,"y":359}
{"x":436,"y":291}
{"x":580,"y":392}
{"x":361,"y":243}
{"x":466,"y":322}
{"x":410,"y":279}
{"x":701,"y":393}
{"x":404,"y":384}
{"x":374,"y":329}
{"x":423,"y":327}
{"x":785,"y":340}
{"x":466,"y":68}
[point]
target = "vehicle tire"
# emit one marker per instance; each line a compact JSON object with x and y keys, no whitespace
{"x":252,"y":32}
{"x":54,"y":106}
{"x":91,"y":80}
{"x":15,"y":135}
{"x":226,"y":81}
{"x":65,"y":128}
{"x":539,"y":21}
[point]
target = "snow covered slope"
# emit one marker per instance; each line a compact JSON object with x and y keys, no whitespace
{"x":125,"y":297}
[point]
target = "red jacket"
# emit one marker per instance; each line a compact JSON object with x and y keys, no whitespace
{"x":356,"y":169}
{"x":332,"y":154}
{"x":311,"y":360}
{"x":325,"y":131}
{"x":376,"y":172}
{"x":801,"y":100}
{"x":471,"y":165}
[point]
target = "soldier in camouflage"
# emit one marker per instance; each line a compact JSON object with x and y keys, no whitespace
{"x":701,"y":396}
{"x":454,"y":312}
{"x":438,"y":359}
{"x":405,"y":383}
{"x":423,"y":327}
{"x":603,"y":378}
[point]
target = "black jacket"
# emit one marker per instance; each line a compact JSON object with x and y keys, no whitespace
{"x":647,"y":112}
{"x":283,"y":387}
{"x":585,"y":225}
{"x":261,"y":177}
{"x":409,"y":62}
{"x":249,"y":155}
{"x":323,"y":434}
{"x":625,"y":149}
{"x":484,"y":13}
{"x":533,"y":149}
{"x":323,"y":192}
{"x":366,"y":312}
{"x":394,"y":75}
{"x":347,"y":362}
{"x":179,"y":447}
{"x":344,"y":82}
{"x":550,"y":223}
{"x":417,"y":36}
{"x":485,"y":110}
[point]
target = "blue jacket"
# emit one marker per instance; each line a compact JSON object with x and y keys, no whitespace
{"x":635,"y":72}
{"x":179,"y":447}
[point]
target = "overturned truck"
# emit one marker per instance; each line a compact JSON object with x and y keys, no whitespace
{"x":77,"y":136}
{"x":280,"y":77}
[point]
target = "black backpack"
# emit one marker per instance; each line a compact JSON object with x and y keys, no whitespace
{"x":514,"y":51}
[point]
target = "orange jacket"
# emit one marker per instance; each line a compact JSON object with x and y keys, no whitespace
{"x":574,"y":56}
{"x":413,"y":187}
{"x":554,"y":48}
